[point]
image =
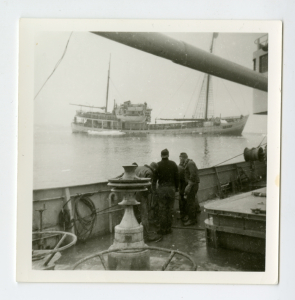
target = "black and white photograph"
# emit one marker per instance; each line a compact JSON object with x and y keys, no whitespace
{"x":151,"y":150}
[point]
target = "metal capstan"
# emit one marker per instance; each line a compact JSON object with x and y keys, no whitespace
{"x":129,"y":234}
{"x":128,"y":251}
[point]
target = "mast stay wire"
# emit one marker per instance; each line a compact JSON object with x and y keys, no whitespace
{"x":193,"y":94}
{"x":169,"y":98}
{"x":241,"y":93}
{"x":56,"y":65}
{"x":231,"y":96}
{"x":204,"y":77}
{"x":116,"y":89}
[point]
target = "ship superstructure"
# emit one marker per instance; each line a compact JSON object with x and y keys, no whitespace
{"x":126,"y":116}
{"x":260,"y":65}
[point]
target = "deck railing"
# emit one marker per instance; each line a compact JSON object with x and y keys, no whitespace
{"x":214,"y":182}
{"x":96,"y":116}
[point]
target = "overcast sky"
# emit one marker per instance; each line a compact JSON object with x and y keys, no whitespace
{"x":169,"y":89}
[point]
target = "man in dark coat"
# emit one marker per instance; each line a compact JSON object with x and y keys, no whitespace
{"x":182,"y":201}
{"x":167,"y":178}
{"x":146,"y":171}
{"x":192,"y":181}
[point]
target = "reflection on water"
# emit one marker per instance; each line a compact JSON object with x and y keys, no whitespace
{"x":62,"y":158}
{"x":206,"y":156}
{"x":104,"y":133}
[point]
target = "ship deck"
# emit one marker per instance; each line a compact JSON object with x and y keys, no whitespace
{"x":190,"y":240}
{"x":242,"y":204}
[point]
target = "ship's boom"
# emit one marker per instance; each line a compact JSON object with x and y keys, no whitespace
{"x":188,"y":56}
{"x":82,"y":105}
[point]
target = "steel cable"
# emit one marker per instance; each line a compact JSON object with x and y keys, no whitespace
{"x":236,"y":156}
{"x":179,"y":87}
{"x":222,"y":81}
{"x":56,"y":65}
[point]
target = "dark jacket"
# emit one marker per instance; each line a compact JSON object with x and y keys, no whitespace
{"x":146,"y":172}
{"x":191,"y":172}
{"x":167,"y":173}
{"x":182,"y":182}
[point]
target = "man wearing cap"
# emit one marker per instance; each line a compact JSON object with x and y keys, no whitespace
{"x":167,"y":177}
{"x":192,"y":181}
{"x":146,"y":171}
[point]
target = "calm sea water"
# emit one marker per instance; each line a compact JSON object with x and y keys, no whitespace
{"x":62,"y":158}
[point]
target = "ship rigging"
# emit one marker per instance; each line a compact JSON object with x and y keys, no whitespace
{"x":135,"y":118}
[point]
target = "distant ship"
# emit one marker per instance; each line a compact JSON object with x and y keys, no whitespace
{"x":135,"y":118}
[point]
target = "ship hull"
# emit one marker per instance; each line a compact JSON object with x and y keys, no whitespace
{"x":232,"y":128}
{"x":56,"y":198}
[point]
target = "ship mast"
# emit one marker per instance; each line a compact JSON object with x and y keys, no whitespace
{"x":205,"y":90}
{"x":215,"y":35}
{"x":107,"y":96}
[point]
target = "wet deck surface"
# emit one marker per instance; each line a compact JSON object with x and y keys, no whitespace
{"x":190,"y":240}
{"x":241,"y":204}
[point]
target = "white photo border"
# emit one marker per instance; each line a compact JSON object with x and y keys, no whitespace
{"x":27,"y":31}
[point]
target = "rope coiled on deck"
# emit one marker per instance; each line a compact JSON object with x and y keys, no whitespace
{"x":83,"y":224}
